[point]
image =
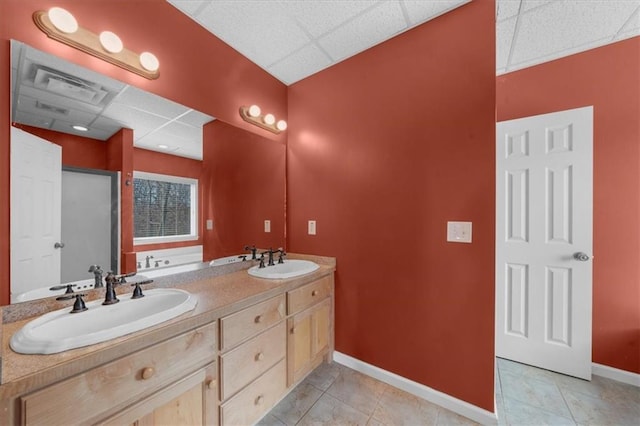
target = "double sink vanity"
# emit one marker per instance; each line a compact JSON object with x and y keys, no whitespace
{"x":226,"y":345}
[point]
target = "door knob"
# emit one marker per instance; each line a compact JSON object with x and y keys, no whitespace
{"x":582,"y":257}
{"x":58,"y":245}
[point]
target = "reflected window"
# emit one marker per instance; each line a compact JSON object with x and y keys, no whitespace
{"x":164,"y":208}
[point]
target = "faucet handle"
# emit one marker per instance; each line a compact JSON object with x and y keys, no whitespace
{"x":121,"y":277}
{"x":137,"y":291}
{"x":62,"y":286}
{"x":78,"y":305}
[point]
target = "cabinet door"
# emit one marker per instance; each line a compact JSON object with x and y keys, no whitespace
{"x":308,"y":340}
{"x":190,"y":401}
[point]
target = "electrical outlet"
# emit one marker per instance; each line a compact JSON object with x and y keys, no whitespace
{"x":459,"y":232}
{"x":312,"y":227}
{"x":267,"y":226}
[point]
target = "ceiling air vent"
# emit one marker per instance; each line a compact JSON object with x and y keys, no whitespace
{"x":69,"y":86}
{"x":52,"y":108}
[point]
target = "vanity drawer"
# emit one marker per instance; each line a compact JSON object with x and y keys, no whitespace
{"x":243,"y":364}
{"x":307,"y":295}
{"x":90,"y":396}
{"x":240,"y":326}
{"x":256,"y":399}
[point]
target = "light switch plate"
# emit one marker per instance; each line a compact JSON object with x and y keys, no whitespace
{"x":312,"y":227}
{"x":267,"y":226}
{"x":459,"y":232}
{"x":209,"y":224}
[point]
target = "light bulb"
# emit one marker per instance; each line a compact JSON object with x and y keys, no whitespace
{"x":63,"y":20}
{"x":281,"y":125}
{"x":149,"y":61}
{"x":254,"y":111}
{"x":269,"y":119}
{"x":111,"y":42}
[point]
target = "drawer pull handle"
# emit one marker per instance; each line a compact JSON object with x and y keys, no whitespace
{"x":314,"y":293}
{"x":148,"y":373}
{"x":258,"y":319}
{"x":293,"y":330}
{"x":259,"y":400}
{"x":259,"y":356}
{"x":211,"y":384}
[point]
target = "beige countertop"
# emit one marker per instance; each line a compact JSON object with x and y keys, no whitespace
{"x":217,"y":297}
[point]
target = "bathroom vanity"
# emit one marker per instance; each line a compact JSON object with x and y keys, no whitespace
{"x":229,"y":361}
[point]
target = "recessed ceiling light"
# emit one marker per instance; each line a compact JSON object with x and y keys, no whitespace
{"x":80,"y":128}
{"x":163,"y":146}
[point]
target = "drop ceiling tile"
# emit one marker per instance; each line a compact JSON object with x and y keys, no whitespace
{"x":66,"y":127}
{"x":563,"y":26}
{"x":195,"y":118}
{"x":38,"y":107}
{"x":188,"y":7}
{"x":420,"y":11}
{"x":504,"y":35}
{"x":182,"y":131}
{"x":557,"y":55}
{"x":633,"y":23}
{"x":377,"y":25}
{"x":506,"y":9}
{"x":320,"y":17}
{"x":533,"y":4}
{"x":150,"y":103}
{"x":258,"y":29}
{"x":32,"y":120}
{"x":300,"y":64}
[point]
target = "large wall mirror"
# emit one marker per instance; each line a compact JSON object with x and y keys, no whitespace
{"x":53,"y":101}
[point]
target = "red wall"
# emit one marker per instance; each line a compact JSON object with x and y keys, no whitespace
{"x":385,"y":148}
{"x":196,"y":69}
{"x":609,"y":79}
{"x":245,"y":174}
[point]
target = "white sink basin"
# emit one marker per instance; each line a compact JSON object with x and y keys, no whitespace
{"x":288,"y":269}
{"x":59,"y":331}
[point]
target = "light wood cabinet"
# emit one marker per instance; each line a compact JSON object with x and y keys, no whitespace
{"x":230,"y":371}
{"x":310,"y":327}
{"x":98,"y":393}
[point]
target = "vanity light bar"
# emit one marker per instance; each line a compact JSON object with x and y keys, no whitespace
{"x":106,"y":46}
{"x":252,"y":114}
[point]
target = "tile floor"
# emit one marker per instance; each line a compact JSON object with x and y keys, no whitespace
{"x":337,"y":395}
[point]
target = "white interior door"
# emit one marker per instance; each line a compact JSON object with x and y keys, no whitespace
{"x":544,"y":203}
{"x":36,"y":169}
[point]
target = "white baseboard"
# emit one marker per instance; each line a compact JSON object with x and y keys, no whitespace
{"x":458,"y":406}
{"x":616,"y":374}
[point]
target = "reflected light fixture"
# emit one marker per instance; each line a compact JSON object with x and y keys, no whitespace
{"x":59,"y":24}
{"x":252,"y":114}
{"x":80,"y":128}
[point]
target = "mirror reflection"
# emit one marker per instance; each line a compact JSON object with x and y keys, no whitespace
{"x":68,"y":133}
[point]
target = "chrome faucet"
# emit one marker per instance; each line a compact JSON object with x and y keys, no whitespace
{"x":146,"y":261}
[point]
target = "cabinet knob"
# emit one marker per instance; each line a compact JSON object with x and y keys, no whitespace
{"x":148,"y":373}
{"x":293,"y":330}
{"x":314,"y":293}
{"x":211,"y":384}
{"x":259,"y":356}
{"x":258,"y":319}
{"x":259,"y":400}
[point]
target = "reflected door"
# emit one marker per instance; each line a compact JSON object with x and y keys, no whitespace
{"x":36,"y":168}
{"x":544,"y":187}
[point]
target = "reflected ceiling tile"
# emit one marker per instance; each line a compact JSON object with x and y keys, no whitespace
{"x":375,"y":26}
{"x":195,"y":118}
{"x":150,"y":103}
{"x":301,"y":64}
{"x":320,"y":17}
{"x":133,"y":118}
{"x":420,"y":11}
{"x":532,"y":4}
